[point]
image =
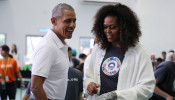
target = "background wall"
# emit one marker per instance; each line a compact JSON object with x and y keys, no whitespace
{"x":158,"y":23}
{"x":19,"y":18}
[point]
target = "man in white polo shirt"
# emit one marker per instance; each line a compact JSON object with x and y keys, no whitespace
{"x":50,"y":59}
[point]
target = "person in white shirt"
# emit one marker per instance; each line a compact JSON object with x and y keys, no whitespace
{"x":50,"y":59}
{"x":119,"y":68}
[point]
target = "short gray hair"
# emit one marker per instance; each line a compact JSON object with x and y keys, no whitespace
{"x":170,"y":56}
{"x":58,"y":9}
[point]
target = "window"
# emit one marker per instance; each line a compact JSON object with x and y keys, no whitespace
{"x":2,"y":39}
{"x":86,"y":44}
{"x":31,"y":43}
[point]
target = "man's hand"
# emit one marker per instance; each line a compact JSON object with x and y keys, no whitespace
{"x":92,"y":88}
{"x":108,"y":96}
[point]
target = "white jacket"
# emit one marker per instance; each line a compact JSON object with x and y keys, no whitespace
{"x":136,"y":78}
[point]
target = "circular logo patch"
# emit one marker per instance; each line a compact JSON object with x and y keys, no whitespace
{"x":111,"y":66}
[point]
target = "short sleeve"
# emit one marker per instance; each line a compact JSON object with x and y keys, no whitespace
{"x":15,"y":66}
{"x":43,"y":59}
{"x":161,"y":73}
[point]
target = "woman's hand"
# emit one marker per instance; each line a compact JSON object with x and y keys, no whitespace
{"x":92,"y":88}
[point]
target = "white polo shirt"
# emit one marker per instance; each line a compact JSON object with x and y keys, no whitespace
{"x":50,"y":60}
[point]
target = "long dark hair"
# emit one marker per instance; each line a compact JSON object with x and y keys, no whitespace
{"x":6,"y":49}
{"x":15,"y":49}
{"x":129,"y":29}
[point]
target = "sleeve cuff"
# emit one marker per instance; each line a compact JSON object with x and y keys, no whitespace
{"x":40,"y":74}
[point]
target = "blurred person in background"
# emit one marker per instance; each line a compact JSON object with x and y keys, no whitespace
{"x":170,"y":56}
{"x":27,"y":95}
{"x":171,"y":51}
{"x":80,"y":67}
{"x":165,"y":80}
{"x":82,"y":57}
{"x":153,"y":60}
{"x":159,"y":60}
{"x":163,"y":55}
{"x":75,"y":61}
{"x":70,"y":56}
{"x":75,"y":82}
{"x":75,"y":85}
{"x":9,"y":70}
{"x":14,"y":53}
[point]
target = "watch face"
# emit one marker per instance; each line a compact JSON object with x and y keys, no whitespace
{"x":111,"y":66}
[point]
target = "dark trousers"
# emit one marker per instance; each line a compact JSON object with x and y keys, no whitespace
{"x":10,"y":91}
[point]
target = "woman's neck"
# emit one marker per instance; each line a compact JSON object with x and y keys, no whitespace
{"x":6,"y":57}
{"x":115,"y":45}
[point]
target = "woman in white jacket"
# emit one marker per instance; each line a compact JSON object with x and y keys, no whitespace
{"x":120,"y":69}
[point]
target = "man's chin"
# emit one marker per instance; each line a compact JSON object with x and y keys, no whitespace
{"x":69,"y":37}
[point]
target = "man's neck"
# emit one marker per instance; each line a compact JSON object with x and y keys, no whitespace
{"x":60,"y":37}
{"x":62,"y":40}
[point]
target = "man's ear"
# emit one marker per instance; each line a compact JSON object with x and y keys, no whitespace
{"x":54,"y":21}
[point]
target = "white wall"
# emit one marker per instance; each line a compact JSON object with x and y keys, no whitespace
{"x":158,"y":24}
{"x":19,"y":18}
